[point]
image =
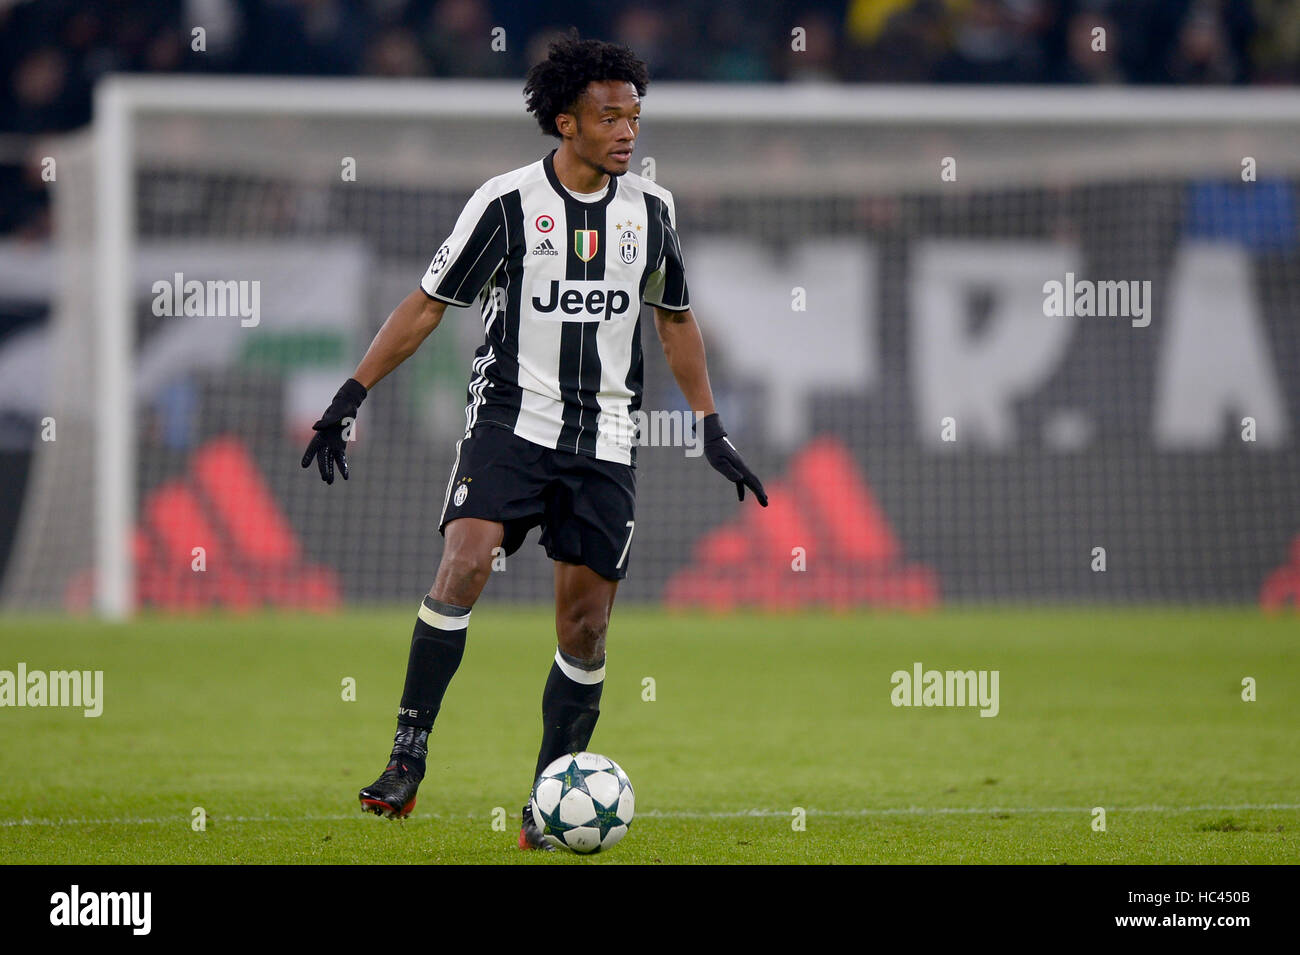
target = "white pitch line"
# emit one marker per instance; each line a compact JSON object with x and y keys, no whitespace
{"x":674,"y":814}
{"x":960,"y":810}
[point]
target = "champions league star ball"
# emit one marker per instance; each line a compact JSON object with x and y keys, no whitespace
{"x":583,"y":802}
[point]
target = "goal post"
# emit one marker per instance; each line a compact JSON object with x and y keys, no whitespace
{"x":892,"y":208}
{"x":116,"y":105}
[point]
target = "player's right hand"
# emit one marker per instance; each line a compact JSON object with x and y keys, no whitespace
{"x":327,"y":445}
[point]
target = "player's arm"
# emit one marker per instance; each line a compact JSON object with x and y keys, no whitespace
{"x":684,"y":348}
{"x":408,"y":325}
{"x":683,"y":345}
{"x":406,"y":328}
{"x":461,"y":267}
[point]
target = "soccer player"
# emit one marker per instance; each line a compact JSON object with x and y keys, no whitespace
{"x":561,"y":254}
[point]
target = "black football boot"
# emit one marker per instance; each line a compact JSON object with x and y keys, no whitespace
{"x":530,"y":837}
{"x":393,"y":793}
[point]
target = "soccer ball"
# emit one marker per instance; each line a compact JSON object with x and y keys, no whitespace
{"x":583,"y":802}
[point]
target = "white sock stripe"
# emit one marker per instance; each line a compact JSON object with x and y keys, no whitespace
{"x":440,"y":621}
{"x":577,"y":674}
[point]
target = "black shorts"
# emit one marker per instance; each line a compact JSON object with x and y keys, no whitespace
{"x":585,"y":506}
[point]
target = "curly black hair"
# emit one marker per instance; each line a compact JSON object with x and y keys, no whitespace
{"x":554,"y":85}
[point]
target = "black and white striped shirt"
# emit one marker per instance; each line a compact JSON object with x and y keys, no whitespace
{"x":561,"y":282}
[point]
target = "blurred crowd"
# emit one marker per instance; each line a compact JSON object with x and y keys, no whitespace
{"x":52,"y":51}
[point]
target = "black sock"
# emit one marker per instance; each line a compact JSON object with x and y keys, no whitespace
{"x":436,"y":650}
{"x":570,"y":707}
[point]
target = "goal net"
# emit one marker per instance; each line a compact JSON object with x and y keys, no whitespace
{"x":980,"y":346}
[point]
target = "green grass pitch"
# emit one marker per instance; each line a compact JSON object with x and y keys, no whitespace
{"x":1136,"y":711}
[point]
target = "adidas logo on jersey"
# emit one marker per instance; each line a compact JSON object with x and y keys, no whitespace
{"x":545,"y":248}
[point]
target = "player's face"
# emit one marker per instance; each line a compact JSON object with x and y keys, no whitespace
{"x":608,"y":120}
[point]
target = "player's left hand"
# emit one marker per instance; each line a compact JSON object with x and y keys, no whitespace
{"x":328,"y":444}
{"x":726,"y":460}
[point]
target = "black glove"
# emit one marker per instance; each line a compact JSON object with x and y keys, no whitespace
{"x":726,"y":460}
{"x":327,"y":445}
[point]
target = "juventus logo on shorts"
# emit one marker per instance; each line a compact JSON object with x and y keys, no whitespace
{"x":462,"y":492}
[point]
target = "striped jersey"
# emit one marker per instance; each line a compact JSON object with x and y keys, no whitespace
{"x":560,"y":284}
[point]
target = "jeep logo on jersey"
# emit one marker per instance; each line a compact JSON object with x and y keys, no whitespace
{"x":581,"y":300}
{"x":584,"y":243}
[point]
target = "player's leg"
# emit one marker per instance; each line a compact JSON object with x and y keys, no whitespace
{"x":492,"y":499}
{"x":588,"y":534}
{"x":437,"y":646}
{"x":442,"y":624}
{"x":571,"y":700}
